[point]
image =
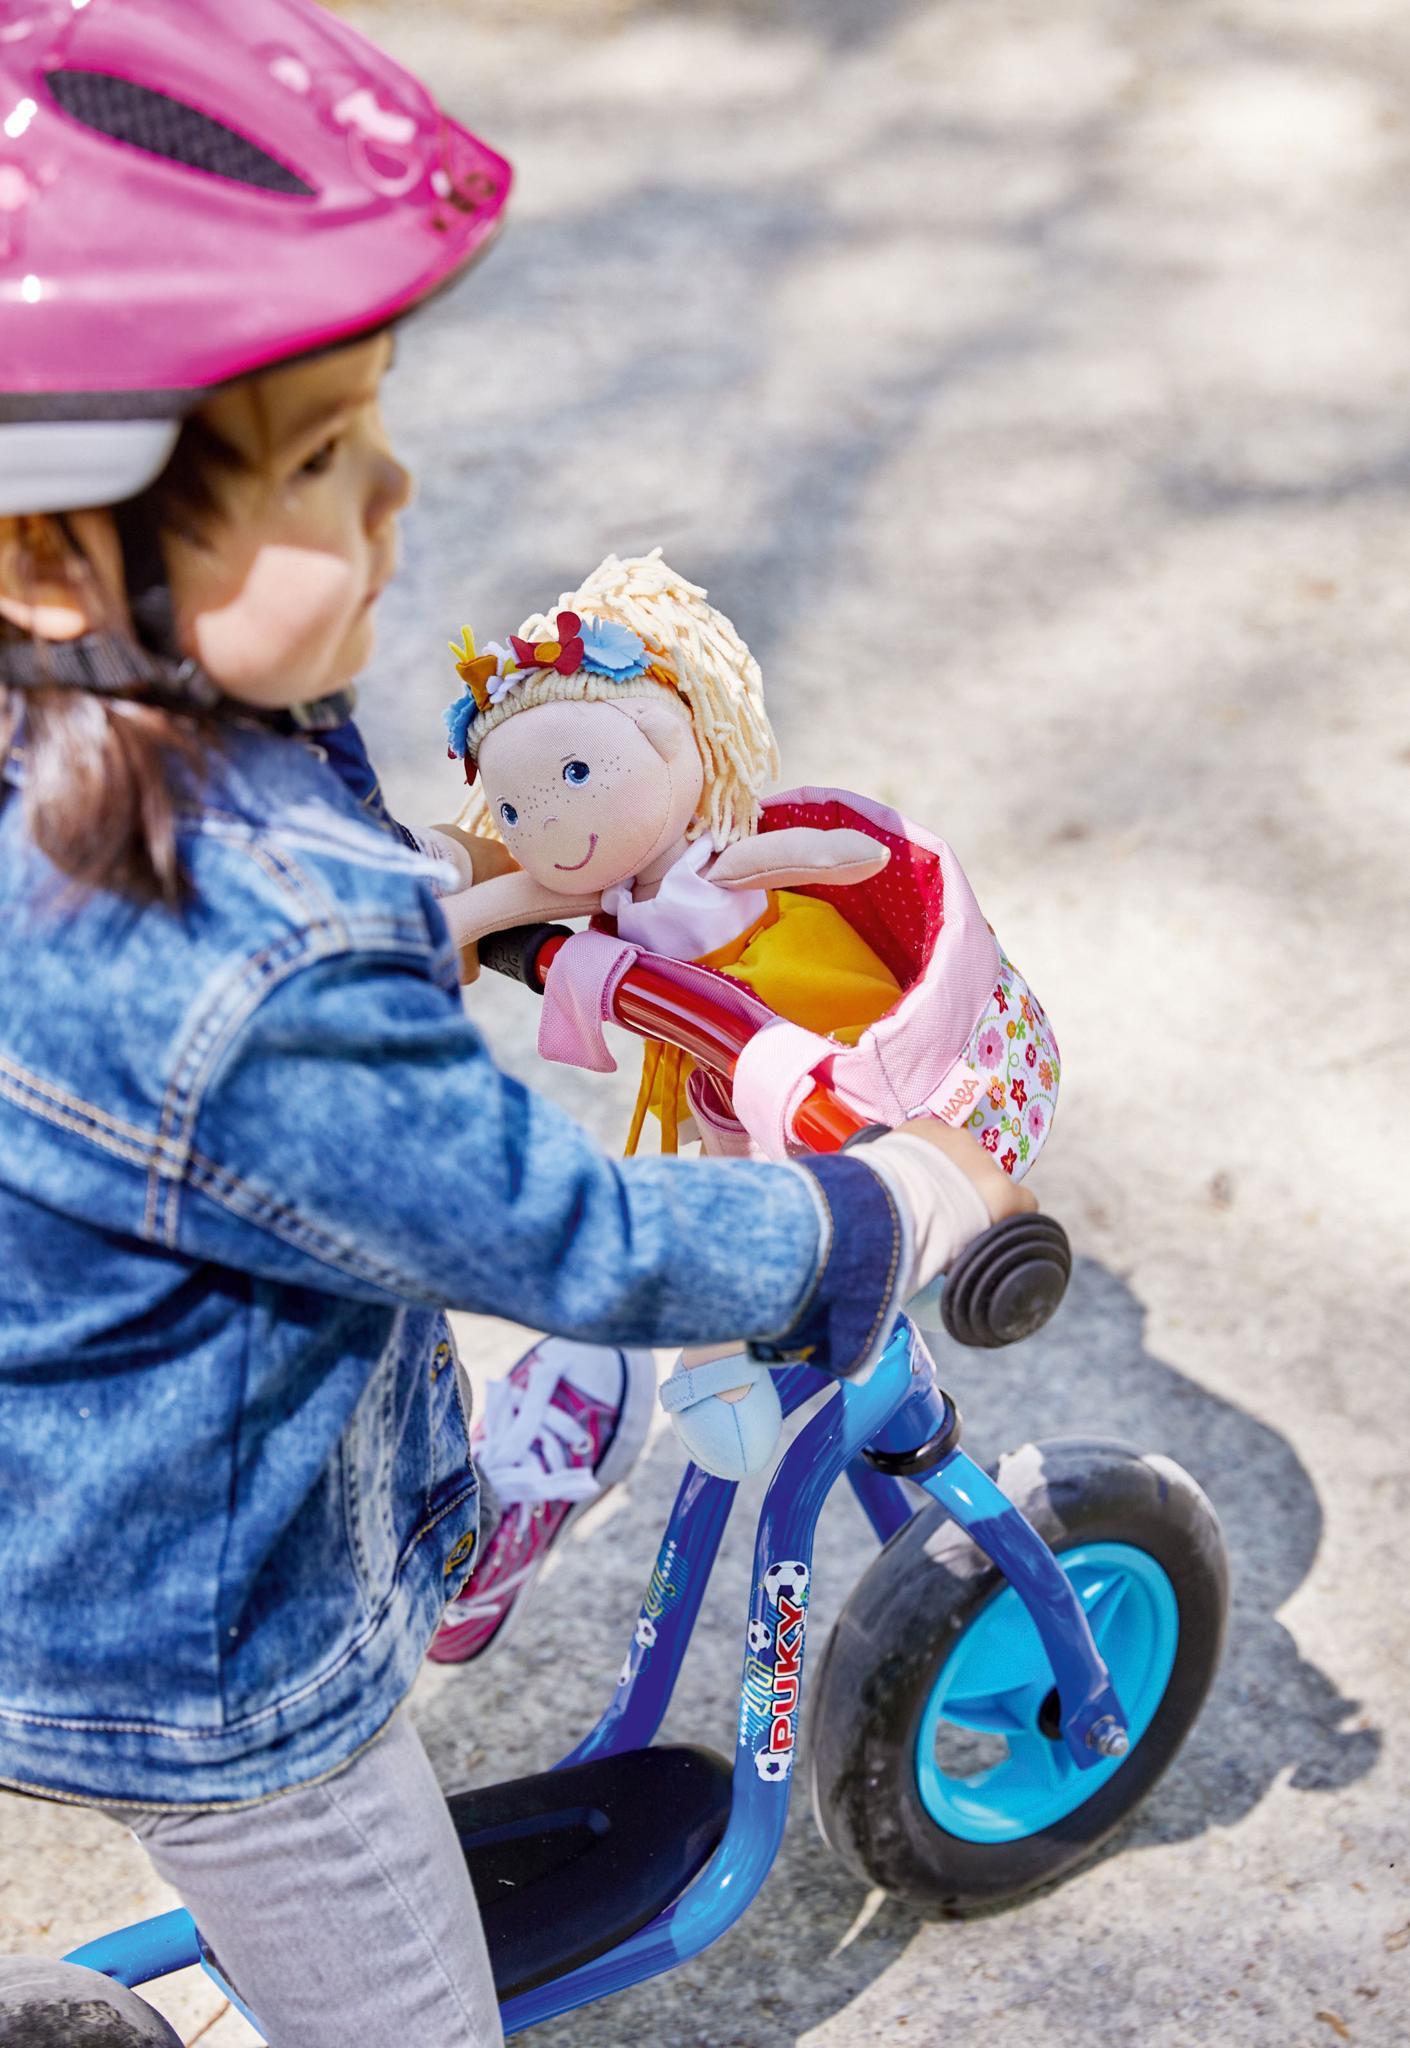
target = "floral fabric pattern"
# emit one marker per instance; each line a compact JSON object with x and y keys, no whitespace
{"x":1014,"y":1056}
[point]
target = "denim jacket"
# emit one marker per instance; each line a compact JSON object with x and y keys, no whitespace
{"x":250,"y":1150}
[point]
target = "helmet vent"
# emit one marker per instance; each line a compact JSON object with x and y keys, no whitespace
{"x":169,"y":128}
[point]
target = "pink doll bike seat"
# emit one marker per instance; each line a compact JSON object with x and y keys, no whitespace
{"x":967,"y":1042}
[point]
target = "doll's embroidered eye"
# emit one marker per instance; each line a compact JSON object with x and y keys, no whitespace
{"x":577,"y":772}
{"x":508,"y":815}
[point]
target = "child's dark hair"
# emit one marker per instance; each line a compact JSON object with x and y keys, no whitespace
{"x":103,"y":773}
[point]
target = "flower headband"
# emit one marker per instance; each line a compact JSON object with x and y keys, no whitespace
{"x":593,"y":647}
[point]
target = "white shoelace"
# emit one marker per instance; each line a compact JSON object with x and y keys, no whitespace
{"x":523,"y":1455}
{"x":524,"y":1451}
{"x":473,"y":1606}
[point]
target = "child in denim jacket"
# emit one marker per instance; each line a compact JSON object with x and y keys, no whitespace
{"x":250,"y":1147}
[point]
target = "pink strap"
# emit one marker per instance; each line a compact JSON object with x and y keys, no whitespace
{"x":722,"y":1136}
{"x":773,"y":1078}
{"x":577,"y":999}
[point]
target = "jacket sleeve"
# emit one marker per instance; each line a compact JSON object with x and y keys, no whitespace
{"x":356,"y":1136}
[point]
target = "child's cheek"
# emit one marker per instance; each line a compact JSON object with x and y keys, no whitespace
{"x":273,"y":639}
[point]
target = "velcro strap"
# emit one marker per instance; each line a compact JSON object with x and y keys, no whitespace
{"x":697,"y":1382}
{"x":577,"y":1000}
{"x":773,"y":1078}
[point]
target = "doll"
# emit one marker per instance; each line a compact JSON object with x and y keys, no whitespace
{"x":621,"y":751}
{"x":635,"y":790}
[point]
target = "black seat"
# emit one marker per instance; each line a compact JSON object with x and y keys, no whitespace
{"x":568,"y":1863}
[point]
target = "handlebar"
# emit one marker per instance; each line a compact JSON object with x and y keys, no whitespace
{"x":520,"y":953}
{"x":653,"y":1007}
{"x":1003,"y":1286}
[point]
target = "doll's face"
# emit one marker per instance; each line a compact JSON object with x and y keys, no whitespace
{"x":588,"y":795}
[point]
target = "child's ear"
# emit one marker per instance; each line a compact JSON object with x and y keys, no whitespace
{"x":46,"y":587}
{"x":666,"y":730}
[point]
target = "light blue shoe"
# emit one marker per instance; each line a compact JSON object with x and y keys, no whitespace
{"x":729,"y":1438}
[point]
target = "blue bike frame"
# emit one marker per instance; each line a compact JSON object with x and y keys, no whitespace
{"x":898,"y":1410}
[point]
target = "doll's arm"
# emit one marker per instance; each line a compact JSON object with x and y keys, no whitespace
{"x":799,"y":854}
{"x":473,"y":858}
{"x":505,"y":900}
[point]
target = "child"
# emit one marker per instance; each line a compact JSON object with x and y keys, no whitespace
{"x":250,"y":1147}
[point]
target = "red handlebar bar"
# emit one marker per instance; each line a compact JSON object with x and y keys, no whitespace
{"x":1002,"y":1287}
{"x":647,"y":1003}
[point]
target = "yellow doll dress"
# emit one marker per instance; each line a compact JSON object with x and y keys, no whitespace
{"x":802,"y":958}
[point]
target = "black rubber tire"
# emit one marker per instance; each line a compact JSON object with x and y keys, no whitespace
{"x":62,"y":2005}
{"x":905,"y":1616}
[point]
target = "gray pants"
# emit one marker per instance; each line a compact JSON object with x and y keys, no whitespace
{"x":341,"y":1911}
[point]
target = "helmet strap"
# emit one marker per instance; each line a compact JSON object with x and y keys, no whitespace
{"x":107,"y":665}
{"x":166,"y":673}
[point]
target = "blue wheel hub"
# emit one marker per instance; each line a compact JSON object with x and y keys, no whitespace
{"x":991,"y":1764}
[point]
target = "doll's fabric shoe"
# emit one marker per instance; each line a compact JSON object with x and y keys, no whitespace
{"x":731,"y":1439}
{"x":568,"y":1421}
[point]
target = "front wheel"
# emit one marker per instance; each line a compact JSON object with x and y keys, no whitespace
{"x":938,"y":1765}
{"x":64,"y":2005}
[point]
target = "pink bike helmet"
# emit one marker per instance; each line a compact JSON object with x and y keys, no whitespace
{"x":192,"y":190}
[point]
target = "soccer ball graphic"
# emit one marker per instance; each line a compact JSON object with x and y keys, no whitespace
{"x":787,"y":1579}
{"x":760,"y":1636}
{"x":625,"y":1674}
{"x":645,"y":1632}
{"x":773,"y":1766}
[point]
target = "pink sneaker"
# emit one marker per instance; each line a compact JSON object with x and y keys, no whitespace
{"x":565,"y":1423}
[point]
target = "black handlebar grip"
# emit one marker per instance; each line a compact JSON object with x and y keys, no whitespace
{"x":1007,"y":1283}
{"x":516,"y":951}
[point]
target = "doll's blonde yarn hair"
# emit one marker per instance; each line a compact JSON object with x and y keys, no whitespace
{"x":695,"y":653}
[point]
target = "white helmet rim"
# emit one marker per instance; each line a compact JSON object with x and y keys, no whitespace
{"x":69,"y":465}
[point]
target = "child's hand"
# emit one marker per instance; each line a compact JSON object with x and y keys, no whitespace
{"x":1001,"y":1196}
{"x":477,"y":859}
{"x":796,"y":856}
{"x":438,"y":843}
{"x":949,"y":1187}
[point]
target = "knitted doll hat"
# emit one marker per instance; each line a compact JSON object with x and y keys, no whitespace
{"x":633,"y":629}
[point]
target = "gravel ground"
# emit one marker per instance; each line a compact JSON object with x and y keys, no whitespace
{"x":1030,"y":384}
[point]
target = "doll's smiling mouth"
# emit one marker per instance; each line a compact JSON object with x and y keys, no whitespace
{"x":565,"y":867}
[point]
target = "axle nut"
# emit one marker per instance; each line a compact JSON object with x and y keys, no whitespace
{"x":1108,"y":1738}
